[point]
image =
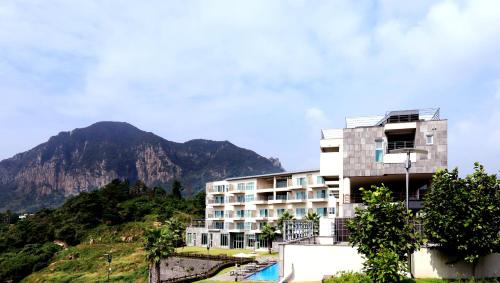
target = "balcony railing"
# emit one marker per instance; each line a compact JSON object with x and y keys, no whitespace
{"x":399,"y":144}
{"x":215,"y":201}
{"x":357,"y":198}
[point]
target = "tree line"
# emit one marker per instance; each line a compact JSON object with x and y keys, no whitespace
{"x":26,"y":245}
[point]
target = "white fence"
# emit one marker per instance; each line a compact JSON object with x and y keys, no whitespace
{"x":310,"y":263}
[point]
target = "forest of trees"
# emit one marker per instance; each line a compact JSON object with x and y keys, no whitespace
{"x":26,"y":245}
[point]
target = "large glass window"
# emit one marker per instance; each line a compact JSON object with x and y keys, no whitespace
{"x":320,"y":180}
{"x":321,"y":211}
{"x":321,"y":194}
{"x":280,"y":211}
{"x":240,"y":225}
{"x":281,"y":183}
{"x":249,"y":213}
{"x":240,"y":198}
{"x":204,"y":239}
{"x":301,"y":181}
{"x":249,"y":198}
{"x":250,"y":186}
{"x":248,"y":225}
{"x":241,"y":186}
{"x":219,"y":213}
{"x":300,"y":195}
{"x":379,"y":151}
{"x":300,"y":212}
{"x":224,"y":240}
{"x":219,"y":199}
{"x":240,"y":213}
{"x":263,"y":212}
{"x":219,"y":225}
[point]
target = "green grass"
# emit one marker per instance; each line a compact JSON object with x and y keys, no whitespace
{"x":90,"y":264}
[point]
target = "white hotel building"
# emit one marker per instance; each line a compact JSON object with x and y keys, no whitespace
{"x":350,"y":158}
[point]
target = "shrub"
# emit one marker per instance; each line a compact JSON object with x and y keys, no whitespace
{"x":348,"y":277}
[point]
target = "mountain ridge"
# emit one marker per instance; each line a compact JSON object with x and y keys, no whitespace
{"x":87,"y":158}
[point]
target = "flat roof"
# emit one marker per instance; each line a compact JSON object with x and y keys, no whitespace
{"x":271,"y":175}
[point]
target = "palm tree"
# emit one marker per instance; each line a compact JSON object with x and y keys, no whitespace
{"x":283,"y":217}
{"x":159,"y":244}
{"x":269,"y":233}
{"x":313,"y":216}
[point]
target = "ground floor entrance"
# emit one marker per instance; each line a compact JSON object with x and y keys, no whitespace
{"x":236,"y":240}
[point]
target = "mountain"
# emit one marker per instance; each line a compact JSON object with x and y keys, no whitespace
{"x":88,"y":158}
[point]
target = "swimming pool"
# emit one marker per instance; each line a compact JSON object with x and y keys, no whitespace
{"x":270,"y":273}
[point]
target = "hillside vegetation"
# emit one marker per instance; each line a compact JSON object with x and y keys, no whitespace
{"x":109,"y":220}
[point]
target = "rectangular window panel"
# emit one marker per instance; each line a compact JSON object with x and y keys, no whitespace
{"x":280,"y":211}
{"x":300,"y":212}
{"x":204,"y":239}
{"x":250,"y":186}
{"x":429,"y":139}
{"x":224,"y":240}
{"x":241,"y":186}
{"x":249,"y":198}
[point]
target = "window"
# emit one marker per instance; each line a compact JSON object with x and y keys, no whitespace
{"x":248,"y":213}
{"x":249,"y":198}
{"x":219,"y":199}
{"x":321,"y":194}
{"x":219,"y":213}
{"x":321,"y":211}
{"x":240,"y":199}
{"x":330,"y":149}
{"x":300,"y":212}
{"x":240,"y":225}
{"x":241,"y":187}
{"x":280,"y":211}
{"x":248,"y":225}
{"x":281,"y":183}
{"x":218,"y":225}
{"x":204,"y":239}
{"x":224,"y":240}
{"x":300,"y":195}
{"x":263,"y":212}
{"x":261,"y":225}
{"x":240,"y":213}
{"x":320,"y":180}
{"x":331,"y":210}
{"x":189,"y":239}
{"x":379,"y":151}
{"x":429,"y":139}
{"x":301,"y":181}
{"x":250,"y":186}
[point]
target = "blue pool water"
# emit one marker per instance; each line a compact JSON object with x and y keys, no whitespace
{"x":270,"y":273}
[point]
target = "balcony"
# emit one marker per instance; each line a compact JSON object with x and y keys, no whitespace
{"x":317,"y":197}
{"x":236,"y":201}
{"x":265,"y":216}
{"x":297,"y":199}
{"x":236,"y":190}
{"x":391,"y":145}
{"x":215,"y":202}
{"x":278,"y":199}
{"x":214,"y":216}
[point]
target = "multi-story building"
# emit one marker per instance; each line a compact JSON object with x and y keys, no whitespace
{"x":363,"y":153}
{"x":360,"y":155}
{"x":237,"y":208}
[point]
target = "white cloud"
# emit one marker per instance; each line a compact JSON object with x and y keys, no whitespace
{"x":244,"y":71}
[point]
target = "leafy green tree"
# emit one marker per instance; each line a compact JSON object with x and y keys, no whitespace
{"x":462,"y":215}
{"x":314,"y":217}
{"x":177,"y":189}
{"x":269,"y":233}
{"x":383,"y":233}
{"x":159,"y":244}
{"x":284,"y":217}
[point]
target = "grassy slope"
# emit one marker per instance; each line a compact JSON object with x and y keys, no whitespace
{"x":90,"y":265}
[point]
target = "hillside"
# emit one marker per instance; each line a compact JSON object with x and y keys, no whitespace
{"x":87,"y":158}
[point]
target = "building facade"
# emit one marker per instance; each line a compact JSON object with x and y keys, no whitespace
{"x":357,"y":156}
{"x":237,"y":208}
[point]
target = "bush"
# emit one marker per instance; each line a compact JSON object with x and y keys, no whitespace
{"x":348,"y":277}
{"x":386,"y":267}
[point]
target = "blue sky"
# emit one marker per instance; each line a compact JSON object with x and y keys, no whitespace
{"x":265,"y":75}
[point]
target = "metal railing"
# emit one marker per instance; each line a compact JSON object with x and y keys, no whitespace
{"x":399,"y":144}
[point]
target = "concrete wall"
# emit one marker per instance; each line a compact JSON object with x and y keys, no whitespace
{"x":310,"y":263}
{"x":359,"y":150}
{"x":431,"y":263}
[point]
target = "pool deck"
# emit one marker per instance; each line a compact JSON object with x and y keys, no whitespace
{"x":227,"y":277}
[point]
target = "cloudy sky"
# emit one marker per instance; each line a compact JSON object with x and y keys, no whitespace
{"x":265,"y":75}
